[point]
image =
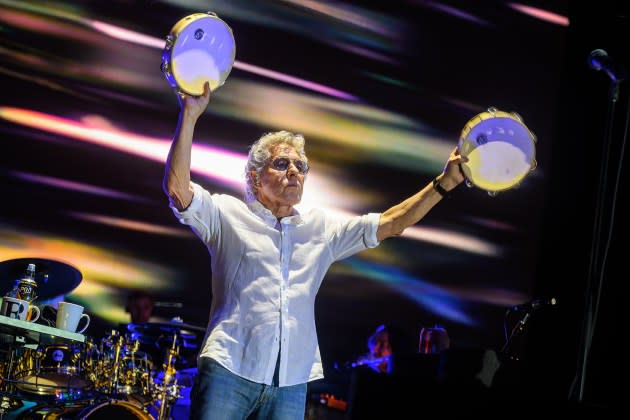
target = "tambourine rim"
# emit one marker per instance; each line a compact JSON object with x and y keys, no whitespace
{"x":515,"y":184}
{"x":168,"y":50}
{"x":497,"y":114}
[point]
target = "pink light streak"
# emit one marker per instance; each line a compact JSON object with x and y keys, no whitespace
{"x":541,"y":14}
{"x":343,"y":13}
{"x":450,"y":10}
{"x":127,"y":35}
{"x":132,"y":224}
{"x":294,"y":81}
{"x":74,"y":186}
{"x":216,"y":163}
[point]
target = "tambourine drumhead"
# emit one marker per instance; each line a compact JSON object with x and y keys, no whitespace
{"x":199,"y":48}
{"x":501,"y":150}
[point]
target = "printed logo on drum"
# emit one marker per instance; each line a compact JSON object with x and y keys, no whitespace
{"x":58,"y":355}
{"x":482,"y":139}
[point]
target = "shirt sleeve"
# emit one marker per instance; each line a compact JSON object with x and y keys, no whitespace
{"x":201,"y":215}
{"x":372,"y":221}
{"x":354,"y":235}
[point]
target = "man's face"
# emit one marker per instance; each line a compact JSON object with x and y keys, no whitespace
{"x":281,"y":187}
{"x":141,"y":310}
{"x":382,"y":347}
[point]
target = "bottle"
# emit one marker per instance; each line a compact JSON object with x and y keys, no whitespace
{"x":27,"y":285}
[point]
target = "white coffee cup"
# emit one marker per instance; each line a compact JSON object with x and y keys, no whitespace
{"x":19,"y":309}
{"x":69,"y":315}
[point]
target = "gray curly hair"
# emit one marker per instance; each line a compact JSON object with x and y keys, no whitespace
{"x":260,"y":152}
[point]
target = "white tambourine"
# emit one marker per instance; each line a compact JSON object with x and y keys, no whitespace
{"x":199,"y":48}
{"x":501,"y":150}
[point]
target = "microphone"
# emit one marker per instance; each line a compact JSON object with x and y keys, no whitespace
{"x":600,"y":60}
{"x":535,"y":304}
{"x":168,"y":304}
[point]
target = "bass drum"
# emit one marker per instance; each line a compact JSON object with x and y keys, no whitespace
{"x":108,"y":410}
{"x":199,"y":48}
{"x":119,"y":410}
{"x":501,"y":151}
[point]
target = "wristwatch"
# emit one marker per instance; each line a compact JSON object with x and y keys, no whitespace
{"x":437,"y":187}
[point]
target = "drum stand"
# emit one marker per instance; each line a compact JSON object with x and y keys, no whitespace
{"x":168,"y":391}
{"x":118,"y":343}
{"x":8,"y":399}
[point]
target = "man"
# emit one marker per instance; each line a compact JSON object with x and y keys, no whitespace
{"x":139,"y":306}
{"x":268,"y":262}
{"x":380,"y":351}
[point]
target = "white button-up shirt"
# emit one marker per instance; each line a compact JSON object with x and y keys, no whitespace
{"x":265,"y":276}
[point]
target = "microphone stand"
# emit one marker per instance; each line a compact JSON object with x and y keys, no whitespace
{"x":518,"y":329}
{"x":597,"y":264}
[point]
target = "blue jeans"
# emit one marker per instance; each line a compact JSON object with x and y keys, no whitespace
{"x":219,"y":394}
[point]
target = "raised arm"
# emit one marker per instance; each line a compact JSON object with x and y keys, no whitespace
{"x":176,"y":183}
{"x":399,"y":217}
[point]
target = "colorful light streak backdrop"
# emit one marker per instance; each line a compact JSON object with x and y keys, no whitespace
{"x":86,"y":118}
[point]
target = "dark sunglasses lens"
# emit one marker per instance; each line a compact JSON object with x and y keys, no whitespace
{"x":281,"y":164}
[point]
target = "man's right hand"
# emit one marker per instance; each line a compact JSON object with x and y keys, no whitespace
{"x":194,"y":106}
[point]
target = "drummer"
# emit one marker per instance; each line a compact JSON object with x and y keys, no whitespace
{"x":140,"y":305}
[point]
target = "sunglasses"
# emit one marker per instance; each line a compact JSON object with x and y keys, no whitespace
{"x":282,"y":164}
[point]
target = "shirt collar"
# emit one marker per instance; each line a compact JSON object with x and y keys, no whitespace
{"x":267,"y":216}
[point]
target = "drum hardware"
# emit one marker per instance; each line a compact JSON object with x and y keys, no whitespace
{"x":117,"y":342}
{"x":199,"y":48}
{"x":9,"y":402}
{"x":501,"y":151}
{"x":158,"y":335}
{"x":122,"y":371}
{"x":160,"y":328}
{"x":168,"y":390}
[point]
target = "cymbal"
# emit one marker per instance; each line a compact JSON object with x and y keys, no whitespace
{"x":54,"y":278}
{"x":159,"y":336}
{"x":164,"y":327}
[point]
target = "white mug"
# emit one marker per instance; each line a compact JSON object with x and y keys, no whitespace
{"x":19,"y":309}
{"x":69,"y":315}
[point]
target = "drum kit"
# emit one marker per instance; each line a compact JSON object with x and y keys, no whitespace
{"x":47,"y":372}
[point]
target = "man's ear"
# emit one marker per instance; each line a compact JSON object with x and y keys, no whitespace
{"x":255,"y":178}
